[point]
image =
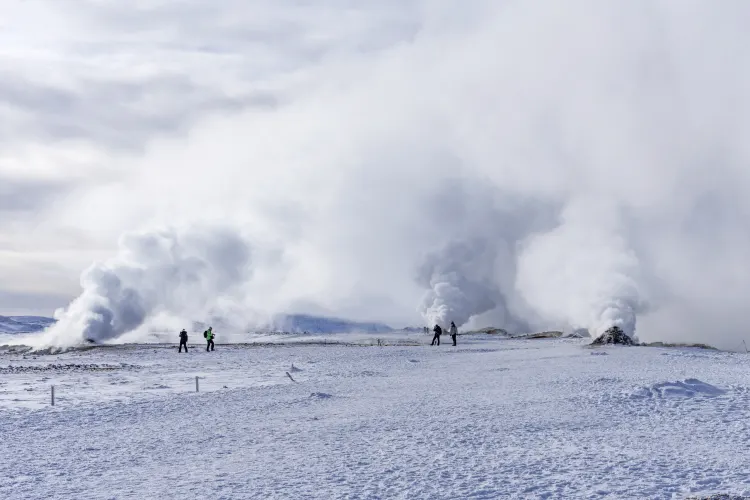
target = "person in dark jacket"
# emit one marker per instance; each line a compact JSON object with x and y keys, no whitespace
{"x":209,"y":334}
{"x":454,"y":332}
{"x":183,"y":340}
{"x":438,"y":331}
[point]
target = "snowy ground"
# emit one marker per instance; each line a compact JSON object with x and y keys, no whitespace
{"x":491,"y":418}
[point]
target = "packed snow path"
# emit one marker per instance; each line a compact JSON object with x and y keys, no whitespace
{"x":487,"y":419}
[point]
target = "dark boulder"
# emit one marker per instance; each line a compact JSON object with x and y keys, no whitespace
{"x":613,"y":335}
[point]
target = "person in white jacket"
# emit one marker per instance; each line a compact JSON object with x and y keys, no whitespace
{"x":454,"y":332}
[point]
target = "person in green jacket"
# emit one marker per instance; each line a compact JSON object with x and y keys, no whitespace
{"x":209,"y":334}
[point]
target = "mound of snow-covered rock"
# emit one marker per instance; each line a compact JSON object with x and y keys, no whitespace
{"x":688,"y":388}
{"x":491,"y":330}
{"x":578,"y":333}
{"x":613,"y":335}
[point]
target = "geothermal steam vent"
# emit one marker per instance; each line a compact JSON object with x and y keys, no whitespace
{"x":613,"y":335}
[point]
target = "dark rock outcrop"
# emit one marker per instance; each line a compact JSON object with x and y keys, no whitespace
{"x":613,"y":335}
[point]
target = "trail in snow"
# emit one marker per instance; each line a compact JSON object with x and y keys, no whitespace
{"x":490,"y":418}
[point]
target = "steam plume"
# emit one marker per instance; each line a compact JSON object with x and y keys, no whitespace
{"x":460,"y":282}
{"x":181,"y":273}
{"x":582,"y":274}
{"x":587,"y":163}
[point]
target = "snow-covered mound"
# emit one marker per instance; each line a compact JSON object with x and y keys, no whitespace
{"x":578,"y":333}
{"x":301,"y":323}
{"x":491,"y":330}
{"x":24,"y":324}
{"x":688,"y":388}
{"x":613,"y":335}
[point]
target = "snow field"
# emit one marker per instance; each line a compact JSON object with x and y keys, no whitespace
{"x":121,"y":373}
{"x":490,"y":418}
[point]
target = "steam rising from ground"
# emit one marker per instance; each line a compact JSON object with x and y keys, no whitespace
{"x":460,"y":283}
{"x":526,"y":165}
{"x":181,"y":273}
{"x":582,"y":274}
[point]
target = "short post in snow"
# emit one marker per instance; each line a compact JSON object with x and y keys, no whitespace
{"x":196,"y":383}
{"x":53,"y":395}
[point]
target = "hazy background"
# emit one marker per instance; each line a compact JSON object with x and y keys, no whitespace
{"x":523,"y":164}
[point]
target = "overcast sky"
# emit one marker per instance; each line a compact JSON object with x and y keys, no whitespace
{"x":88,"y":86}
{"x":596,"y":151}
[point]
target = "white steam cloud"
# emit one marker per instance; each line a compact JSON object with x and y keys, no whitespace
{"x":179,"y":273}
{"x":582,"y":274}
{"x":521,"y":164}
{"x":460,"y":282}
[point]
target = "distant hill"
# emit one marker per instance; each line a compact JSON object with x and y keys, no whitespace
{"x":292,"y":323}
{"x":415,"y":329}
{"x":300,"y":323}
{"x":24,"y":324}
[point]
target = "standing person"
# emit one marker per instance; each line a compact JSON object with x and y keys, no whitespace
{"x":438,"y":331}
{"x":209,"y":334}
{"x":454,"y":332}
{"x":183,"y":340}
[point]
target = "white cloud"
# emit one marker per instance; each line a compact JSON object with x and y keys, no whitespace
{"x":359,"y":140}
